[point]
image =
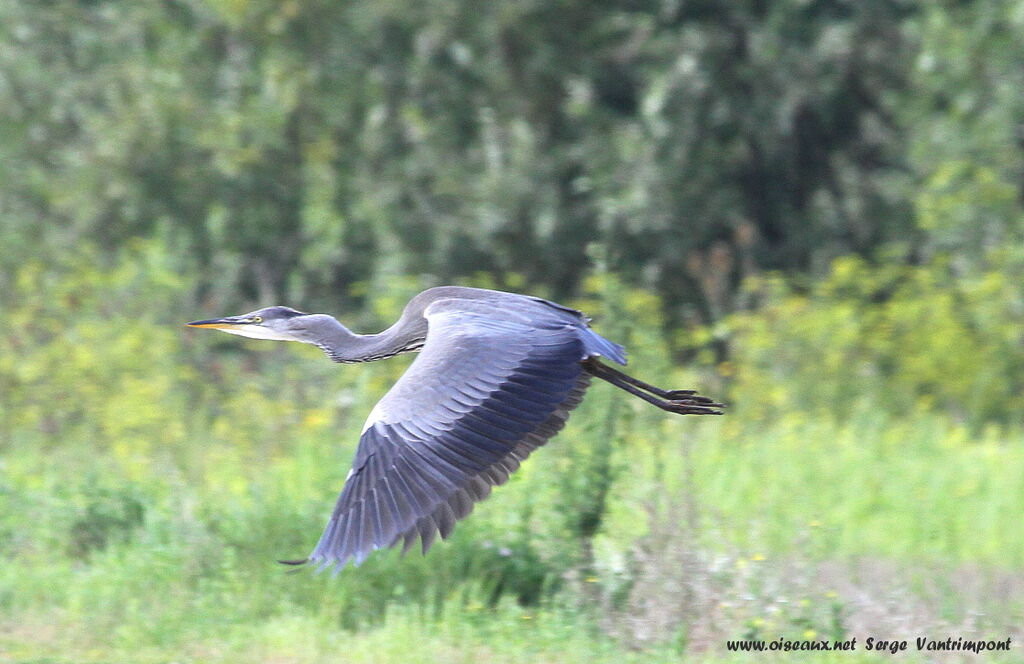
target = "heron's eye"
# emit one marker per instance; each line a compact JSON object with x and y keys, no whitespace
{"x":257,"y":319}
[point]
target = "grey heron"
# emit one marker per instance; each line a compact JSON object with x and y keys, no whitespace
{"x":496,"y":377}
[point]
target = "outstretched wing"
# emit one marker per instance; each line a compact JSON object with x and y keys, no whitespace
{"x":488,"y":388}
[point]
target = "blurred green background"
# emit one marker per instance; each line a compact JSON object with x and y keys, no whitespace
{"x":813,"y":209}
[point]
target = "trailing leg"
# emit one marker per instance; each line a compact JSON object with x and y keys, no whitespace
{"x":683,"y":402}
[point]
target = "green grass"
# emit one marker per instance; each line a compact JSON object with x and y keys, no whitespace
{"x":115,"y":554}
{"x":919,"y":488}
{"x":149,"y":482}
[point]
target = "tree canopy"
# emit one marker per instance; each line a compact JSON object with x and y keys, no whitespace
{"x":288,"y":150}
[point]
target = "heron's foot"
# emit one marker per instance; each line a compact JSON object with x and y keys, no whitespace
{"x":688,"y":402}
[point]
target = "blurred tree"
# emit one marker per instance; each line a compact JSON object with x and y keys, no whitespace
{"x":294,"y":148}
{"x":966,"y":137}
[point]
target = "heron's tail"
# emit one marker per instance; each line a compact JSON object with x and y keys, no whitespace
{"x":595,"y":344}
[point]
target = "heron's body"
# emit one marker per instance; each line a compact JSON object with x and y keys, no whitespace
{"x":496,"y":377}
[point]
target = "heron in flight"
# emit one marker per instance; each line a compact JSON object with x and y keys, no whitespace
{"x":496,"y":377}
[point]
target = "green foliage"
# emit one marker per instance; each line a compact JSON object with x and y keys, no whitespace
{"x":292,"y":149}
{"x":965,"y":139}
{"x":894,"y":338}
{"x":108,"y":516}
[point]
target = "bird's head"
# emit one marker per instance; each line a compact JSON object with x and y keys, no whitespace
{"x":276,"y":323}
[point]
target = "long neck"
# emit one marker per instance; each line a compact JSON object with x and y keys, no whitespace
{"x":343,"y":345}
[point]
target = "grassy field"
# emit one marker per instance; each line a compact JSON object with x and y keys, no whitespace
{"x":715,"y":530}
{"x":150,"y":478}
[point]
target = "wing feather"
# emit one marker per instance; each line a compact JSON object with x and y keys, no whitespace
{"x":351,"y":545}
{"x":400,"y":508}
{"x":481,"y":396}
{"x":428,"y":530}
{"x":409,"y":538}
{"x":445,"y":519}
